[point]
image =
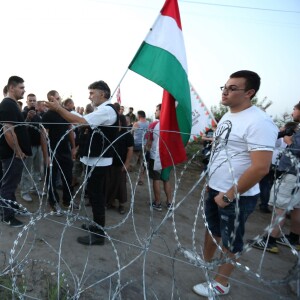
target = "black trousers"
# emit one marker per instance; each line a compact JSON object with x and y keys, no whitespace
{"x":63,"y":165}
{"x":96,"y":191}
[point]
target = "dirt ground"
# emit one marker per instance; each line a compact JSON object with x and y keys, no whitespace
{"x":143,"y":257}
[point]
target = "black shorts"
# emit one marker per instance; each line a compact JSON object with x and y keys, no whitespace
{"x":153,"y":174}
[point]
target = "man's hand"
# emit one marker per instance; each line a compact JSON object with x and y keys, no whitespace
{"x":53,"y":104}
{"x":288,"y":139}
{"x":30,"y":115}
{"x":219,"y":200}
{"x":20,"y":154}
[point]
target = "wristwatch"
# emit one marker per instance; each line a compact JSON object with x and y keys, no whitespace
{"x":226,"y":199}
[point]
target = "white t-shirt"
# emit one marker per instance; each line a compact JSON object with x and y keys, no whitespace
{"x":154,"y":147}
{"x":102,"y":115}
{"x":236,"y":135}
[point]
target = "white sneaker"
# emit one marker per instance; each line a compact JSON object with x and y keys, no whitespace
{"x":26,"y":197}
{"x":216,"y":289}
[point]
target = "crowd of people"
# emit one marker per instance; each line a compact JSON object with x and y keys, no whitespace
{"x":53,"y":140}
{"x":63,"y":144}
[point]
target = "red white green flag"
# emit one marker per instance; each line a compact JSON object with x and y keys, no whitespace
{"x":161,"y":58}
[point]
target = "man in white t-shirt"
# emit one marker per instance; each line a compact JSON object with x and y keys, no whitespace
{"x":242,"y":152}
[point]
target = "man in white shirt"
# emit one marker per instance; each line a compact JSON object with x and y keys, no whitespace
{"x":98,"y":154}
{"x":241,"y":156}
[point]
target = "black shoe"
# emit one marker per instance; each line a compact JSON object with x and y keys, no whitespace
{"x":13,"y":222}
{"x":263,"y":245}
{"x":265,"y":210}
{"x":91,"y":228}
{"x":91,"y":239}
{"x":286,"y":241}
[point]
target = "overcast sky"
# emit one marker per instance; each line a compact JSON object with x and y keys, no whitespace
{"x":68,"y":44}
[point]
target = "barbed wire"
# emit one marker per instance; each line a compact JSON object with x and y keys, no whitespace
{"x":140,"y":242}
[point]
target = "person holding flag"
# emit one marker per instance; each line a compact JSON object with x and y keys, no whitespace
{"x":152,"y":145}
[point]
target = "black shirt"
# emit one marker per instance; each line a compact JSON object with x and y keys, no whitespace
{"x":57,"y":128}
{"x":10,"y":113}
{"x":33,"y":132}
{"x":124,"y":141}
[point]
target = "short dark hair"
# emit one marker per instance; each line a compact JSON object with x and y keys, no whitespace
{"x":297,"y":106}
{"x":252,"y":80}
{"x":14,"y":81}
{"x":31,"y":95}
{"x":141,"y":113}
{"x":5,"y":91}
{"x":67,"y":101}
{"x":89,"y":108}
{"x":291,"y":125}
{"x":117,"y":106}
{"x":100,"y":85}
{"x":159,"y":106}
{"x":51,"y":93}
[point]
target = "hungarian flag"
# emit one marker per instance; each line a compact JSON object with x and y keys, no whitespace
{"x":161,"y":58}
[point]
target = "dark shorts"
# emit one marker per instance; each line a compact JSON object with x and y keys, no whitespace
{"x":222,"y":222}
{"x":154,"y":175}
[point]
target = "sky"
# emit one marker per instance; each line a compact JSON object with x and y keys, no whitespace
{"x":67,"y":44}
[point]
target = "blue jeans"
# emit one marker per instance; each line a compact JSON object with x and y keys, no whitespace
{"x":221,"y":221}
{"x":12,"y":172}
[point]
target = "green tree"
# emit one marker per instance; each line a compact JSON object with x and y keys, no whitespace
{"x":263,"y":104}
{"x":219,"y":111}
{"x":282,"y":119}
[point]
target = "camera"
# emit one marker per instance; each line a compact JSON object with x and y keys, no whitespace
{"x":288,"y":131}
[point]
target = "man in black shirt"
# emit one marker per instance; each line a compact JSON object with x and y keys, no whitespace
{"x":14,"y":148}
{"x":62,"y":146}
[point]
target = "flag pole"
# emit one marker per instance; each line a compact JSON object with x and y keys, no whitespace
{"x":133,"y":58}
{"x":119,"y":84}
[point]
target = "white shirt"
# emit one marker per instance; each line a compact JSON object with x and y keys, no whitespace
{"x":102,"y":115}
{"x":236,"y":135}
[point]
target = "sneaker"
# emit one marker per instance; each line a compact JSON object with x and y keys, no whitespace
{"x":285,"y":241}
{"x":23,"y":213}
{"x":156,"y":206}
{"x":13,"y":222}
{"x":26,"y":197}
{"x":216,"y":289}
{"x":56,"y":210}
{"x":170,"y":206}
{"x":262,"y":245}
